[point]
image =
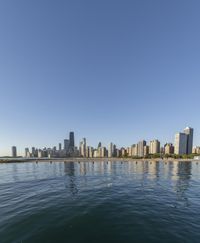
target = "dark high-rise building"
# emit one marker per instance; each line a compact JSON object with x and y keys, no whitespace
{"x":189,"y":132}
{"x":27,"y":154}
{"x":66,"y":144}
{"x":71,"y":141}
{"x":60,"y":146}
{"x":14,"y":151}
{"x":99,"y":145}
{"x":33,"y":152}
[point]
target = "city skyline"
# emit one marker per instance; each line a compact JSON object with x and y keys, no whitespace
{"x":183,"y":144}
{"x":94,"y":140}
{"x":100,"y":122}
{"x":104,"y":69}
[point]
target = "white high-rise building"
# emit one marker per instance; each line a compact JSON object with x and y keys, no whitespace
{"x":168,"y":148}
{"x":141,"y":145}
{"x":102,"y":152}
{"x":134,"y":150}
{"x":111,"y":150}
{"x":89,"y":152}
{"x":154,"y":147}
{"x":83,"y":148}
{"x":180,"y":144}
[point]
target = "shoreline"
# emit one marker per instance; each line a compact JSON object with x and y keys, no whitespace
{"x":77,"y":159}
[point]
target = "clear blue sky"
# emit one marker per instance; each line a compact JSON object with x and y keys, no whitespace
{"x":110,"y":70}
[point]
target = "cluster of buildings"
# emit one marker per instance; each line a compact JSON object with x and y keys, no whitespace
{"x":183,"y":144}
{"x":68,"y":149}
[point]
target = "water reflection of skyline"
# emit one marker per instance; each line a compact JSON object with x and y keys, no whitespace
{"x":178,"y":174}
{"x":172,"y":174}
{"x":174,"y":170}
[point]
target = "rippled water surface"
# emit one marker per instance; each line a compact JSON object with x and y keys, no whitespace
{"x":100,"y":202}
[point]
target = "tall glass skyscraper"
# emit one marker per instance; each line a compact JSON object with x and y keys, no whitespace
{"x":71,"y":141}
{"x":184,"y":141}
{"x":189,"y":132}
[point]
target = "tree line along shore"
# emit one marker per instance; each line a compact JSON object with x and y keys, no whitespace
{"x":81,"y":159}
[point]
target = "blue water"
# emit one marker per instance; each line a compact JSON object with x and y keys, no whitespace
{"x":100,"y":202}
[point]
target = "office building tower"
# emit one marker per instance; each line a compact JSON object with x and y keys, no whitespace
{"x":99,"y":145}
{"x":128,"y":150}
{"x":123,"y":152}
{"x":180,"y":144}
{"x":71,"y":140}
{"x":196,"y":150}
{"x":14,"y":151}
{"x":162,"y":150}
{"x":118,"y":154}
{"x":141,"y":145}
{"x":60,"y":146}
{"x":189,"y":132}
{"x":168,"y":148}
{"x":154,"y":147}
{"x":146,"y":150}
{"x":82,"y":148}
{"x":134,"y":150}
{"x":102,"y":152}
{"x":95,"y":153}
{"x":89,"y":152}
{"x":111,"y":150}
{"x":40,"y":153}
{"x":33,"y":152}
{"x":66,"y":145}
{"x":27,"y":152}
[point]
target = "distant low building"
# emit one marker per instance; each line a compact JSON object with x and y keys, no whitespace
{"x":196,"y":150}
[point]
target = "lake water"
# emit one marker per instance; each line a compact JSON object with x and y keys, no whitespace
{"x":100,"y":202}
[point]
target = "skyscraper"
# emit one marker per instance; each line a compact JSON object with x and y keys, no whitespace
{"x":66,"y":145}
{"x":82,"y":148}
{"x":180,"y":144}
{"x":102,"y":151}
{"x":71,"y":140}
{"x":33,"y":152}
{"x":141,"y":145}
{"x":134,"y":150}
{"x":110,"y":150}
{"x":154,"y":147}
{"x":168,"y":148}
{"x":146,"y":150}
{"x":14,"y":151}
{"x":27,"y":153}
{"x":189,"y":132}
{"x":60,"y":146}
{"x":89,"y":152}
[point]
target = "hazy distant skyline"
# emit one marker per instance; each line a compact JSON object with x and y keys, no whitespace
{"x":111,"y":71}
